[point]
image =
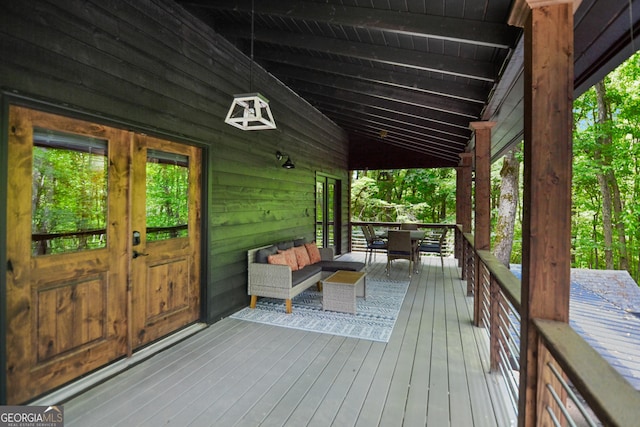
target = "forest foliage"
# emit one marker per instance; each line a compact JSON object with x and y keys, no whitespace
{"x":606,"y":181}
{"x":70,"y":194}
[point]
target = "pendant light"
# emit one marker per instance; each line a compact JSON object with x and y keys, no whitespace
{"x":250,"y":111}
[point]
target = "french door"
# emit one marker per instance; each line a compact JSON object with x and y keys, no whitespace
{"x":103,"y":251}
{"x":328,"y":212}
{"x":165,"y":256}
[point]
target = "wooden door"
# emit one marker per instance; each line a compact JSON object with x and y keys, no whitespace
{"x":165,"y":259}
{"x":66,"y":283}
{"x":78,"y":296}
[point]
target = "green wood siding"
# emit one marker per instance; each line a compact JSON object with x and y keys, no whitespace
{"x":149,"y":66}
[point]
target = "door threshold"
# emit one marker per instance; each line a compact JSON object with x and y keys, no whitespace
{"x":79,"y":386}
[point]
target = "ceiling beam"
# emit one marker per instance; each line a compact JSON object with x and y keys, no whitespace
{"x":403,"y":96}
{"x":419,"y":143}
{"x":416,"y":144}
{"x":375,"y":140}
{"x":437,"y":63}
{"x":424,"y":113}
{"x":347,"y":119}
{"x":391,"y":124}
{"x":497,"y":35}
{"x":396,"y":78}
{"x":459,"y":136}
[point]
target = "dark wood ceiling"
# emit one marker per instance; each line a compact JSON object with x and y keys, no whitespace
{"x":404,"y":78}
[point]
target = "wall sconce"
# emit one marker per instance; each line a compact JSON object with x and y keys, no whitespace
{"x":288,"y":164}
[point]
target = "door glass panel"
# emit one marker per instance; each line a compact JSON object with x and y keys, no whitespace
{"x":320,"y":213}
{"x":69,"y":198}
{"x":331,"y":196}
{"x":167,"y":195}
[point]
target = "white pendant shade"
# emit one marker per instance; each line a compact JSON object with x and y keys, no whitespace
{"x":250,"y":111}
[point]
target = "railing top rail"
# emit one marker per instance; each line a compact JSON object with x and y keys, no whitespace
{"x":610,"y":396}
{"x":510,"y":284}
{"x":397,"y":224}
{"x":469,"y":238}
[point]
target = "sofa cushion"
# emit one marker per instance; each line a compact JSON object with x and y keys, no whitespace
{"x":314,"y":253}
{"x":341,"y":265}
{"x":301,"y":275}
{"x":299,"y":242}
{"x":283,"y":246}
{"x":262,"y":256}
{"x":302,"y":256}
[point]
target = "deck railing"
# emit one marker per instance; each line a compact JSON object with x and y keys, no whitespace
{"x":575,"y":385}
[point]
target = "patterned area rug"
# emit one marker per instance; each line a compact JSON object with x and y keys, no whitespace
{"x":374,"y":318}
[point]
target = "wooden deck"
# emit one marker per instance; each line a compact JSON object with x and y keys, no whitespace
{"x":433,"y":371}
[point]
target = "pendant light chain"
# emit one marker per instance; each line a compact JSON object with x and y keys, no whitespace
{"x":631,"y":35}
{"x":251,"y":64}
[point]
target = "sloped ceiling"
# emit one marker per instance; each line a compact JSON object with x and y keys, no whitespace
{"x":404,"y":78}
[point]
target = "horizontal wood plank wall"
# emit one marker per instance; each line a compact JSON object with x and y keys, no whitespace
{"x":152,"y":67}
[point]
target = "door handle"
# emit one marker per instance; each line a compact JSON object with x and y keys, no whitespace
{"x":136,"y":254}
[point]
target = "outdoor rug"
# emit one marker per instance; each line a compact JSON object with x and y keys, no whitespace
{"x":374,"y":318}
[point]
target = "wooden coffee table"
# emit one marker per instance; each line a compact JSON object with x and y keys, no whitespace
{"x":340,"y":290}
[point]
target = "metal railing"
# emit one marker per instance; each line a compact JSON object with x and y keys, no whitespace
{"x":575,"y":385}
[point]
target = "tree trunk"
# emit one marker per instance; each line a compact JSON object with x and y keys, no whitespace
{"x":603,"y":174}
{"x":607,"y":230}
{"x":604,"y":116}
{"x":508,"y":206}
{"x":620,"y":225}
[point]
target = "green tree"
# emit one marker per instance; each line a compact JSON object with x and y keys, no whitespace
{"x":412,"y":195}
{"x":605,"y":179}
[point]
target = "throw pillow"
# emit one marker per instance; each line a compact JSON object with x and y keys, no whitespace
{"x":314,"y":253}
{"x":302,"y":256}
{"x":279,"y":259}
{"x":290,"y":255}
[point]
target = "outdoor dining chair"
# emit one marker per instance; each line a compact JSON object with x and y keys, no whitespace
{"x":434,"y":243}
{"x":399,"y":246}
{"x":374,"y":243}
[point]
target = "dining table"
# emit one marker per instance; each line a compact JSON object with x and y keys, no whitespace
{"x":416,"y":237}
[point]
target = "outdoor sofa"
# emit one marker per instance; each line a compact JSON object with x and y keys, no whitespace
{"x":285,"y":281}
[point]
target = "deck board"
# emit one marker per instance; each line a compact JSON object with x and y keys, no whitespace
{"x":325,"y":413}
{"x":318,"y":392}
{"x":263,"y":381}
{"x":416,"y":410}
{"x":206,"y":397}
{"x":438,"y":402}
{"x":236,"y":373}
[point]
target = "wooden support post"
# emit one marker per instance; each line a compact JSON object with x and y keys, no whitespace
{"x":546,"y":230}
{"x":463,"y":201}
{"x":458,"y":241}
{"x":482,"y":231}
